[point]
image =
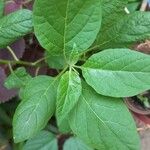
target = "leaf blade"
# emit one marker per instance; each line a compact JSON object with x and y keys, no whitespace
{"x":68,"y":93}
{"x":36,"y":109}
{"x":71,"y":29}
{"x":42,"y":141}
{"x":129,"y":29}
{"x":5,"y":94}
{"x":75,"y":143}
{"x":1,"y":8}
{"x":101,"y":130}
{"x":17,"y":79}
{"x":118,"y":72}
{"x":14,"y":26}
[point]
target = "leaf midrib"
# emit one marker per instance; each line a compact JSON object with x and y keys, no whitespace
{"x":15,"y":74}
{"x":16,"y":22}
{"x":66,"y":97}
{"x":66,"y":16}
{"x":115,"y":71}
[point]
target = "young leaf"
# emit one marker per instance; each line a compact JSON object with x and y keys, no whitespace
{"x":75,"y":143}
{"x":118,"y":72}
{"x":1,"y":8}
{"x":62,"y":23}
{"x":74,"y":56}
{"x":103,"y":122}
{"x":58,"y":61}
{"x":36,"y":109}
{"x":129,"y":29}
{"x":68,"y":93}
{"x":5,"y":94}
{"x":14,"y":26}
{"x":42,"y":141}
{"x":17,"y":79}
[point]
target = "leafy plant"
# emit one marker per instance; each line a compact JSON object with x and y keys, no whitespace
{"x":87,"y":42}
{"x":18,"y":46}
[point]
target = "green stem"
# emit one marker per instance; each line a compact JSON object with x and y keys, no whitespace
{"x":62,"y":72}
{"x":26,"y":2}
{"x":52,"y":129}
{"x":38,"y":61}
{"x":14,"y":62}
{"x":37,"y":71}
{"x":12,"y":53}
{"x":93,"y":48}
{"x":79,"y":67}
{"x":10,"y":68}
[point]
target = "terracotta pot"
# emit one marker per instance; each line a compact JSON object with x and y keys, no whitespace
{"x":138,"y":111}
{"x":135,"y":107}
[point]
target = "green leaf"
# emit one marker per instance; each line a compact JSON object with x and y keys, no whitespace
{"x":68,"y":94}
{"x":75,"y":144}
{"x":37,"y":107}
{"x":103,"y":122}
{"x":118,"y":72}
{"x":14,"y":26}
{"x":129,"y":29}
{"x":17,"y":79}
{"x":1,"y":8}
{"x":74,"y":56}
{"x":42,"y":141}
{"x":62,"y":23}
{"x":58,"y":61}
{"x":111,"y":11}
{"x":133,"y":6}
{"x":55,"y":61}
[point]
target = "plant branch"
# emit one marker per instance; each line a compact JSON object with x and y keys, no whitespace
{"x":14,"y":62}
{"x":37,"y":71}
{"x":38,"y":61}
{"x":62,"y":72}
{"x":12,"y":53}
{"x":10,"y":67}
{"x":26,"y":2}
{"x":93,"y":48}
{"x":79,"y":67}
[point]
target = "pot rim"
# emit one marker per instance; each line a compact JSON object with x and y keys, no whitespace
{"x":135,"y":109}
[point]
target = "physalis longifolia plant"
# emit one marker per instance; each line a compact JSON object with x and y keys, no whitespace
{"x":88,"y":40}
